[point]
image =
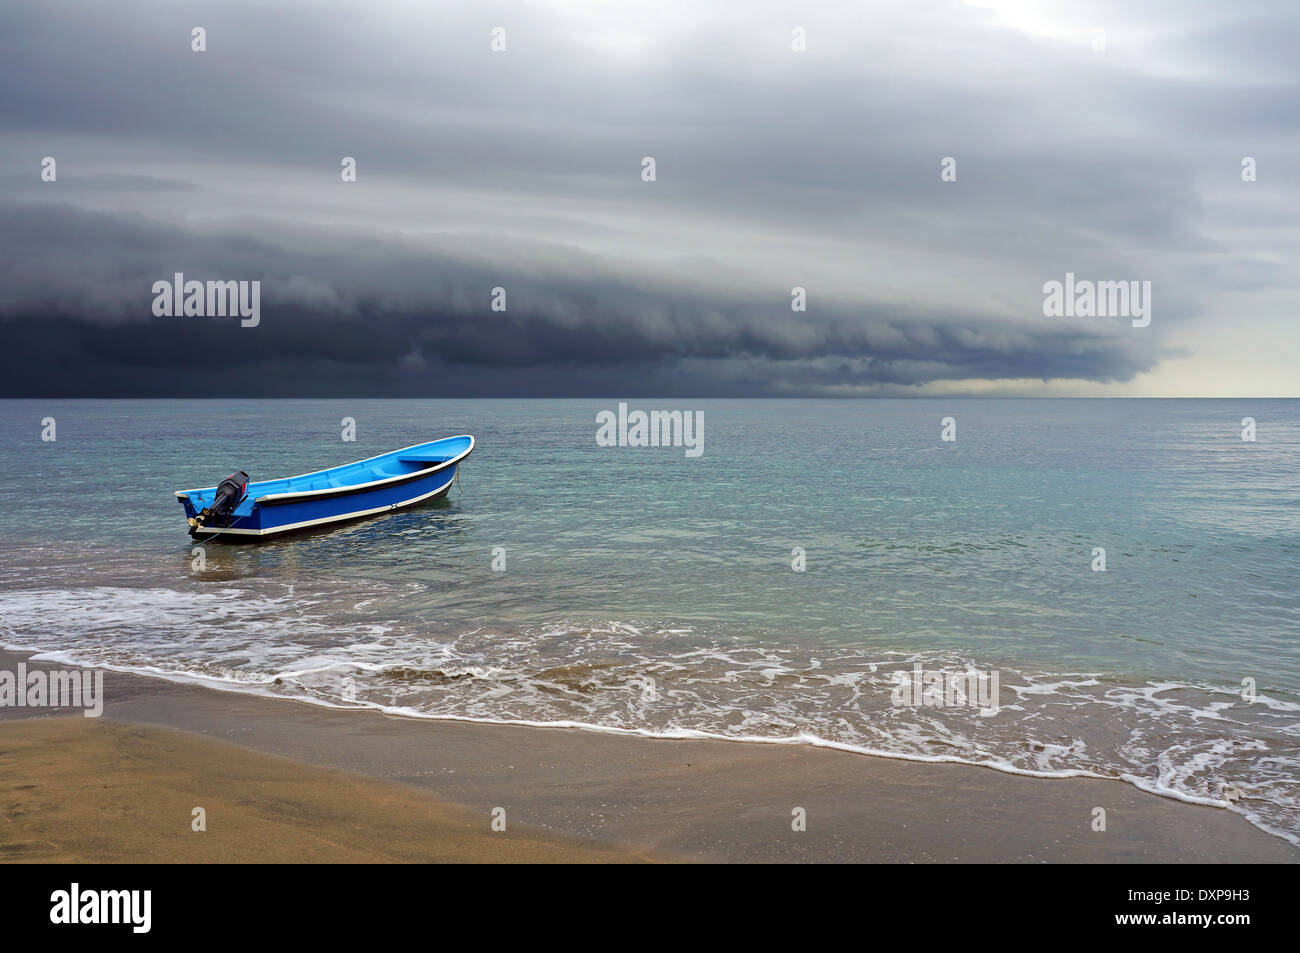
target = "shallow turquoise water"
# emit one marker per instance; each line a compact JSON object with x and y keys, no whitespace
{"x":635,"y":566}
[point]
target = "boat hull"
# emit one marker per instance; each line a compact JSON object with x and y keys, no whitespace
{"x":293,"y":509}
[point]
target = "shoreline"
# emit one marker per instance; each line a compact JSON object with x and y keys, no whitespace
{"x":633,"y":797}
{"x":684,"y":734}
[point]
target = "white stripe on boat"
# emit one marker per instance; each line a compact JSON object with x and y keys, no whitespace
{"x":271,"y":530}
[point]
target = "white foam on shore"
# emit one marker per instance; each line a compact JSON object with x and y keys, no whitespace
{"x":1171,"y":739}
{"x":262,"y":687}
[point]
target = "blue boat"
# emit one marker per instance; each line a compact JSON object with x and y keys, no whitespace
{"x":237,"y":510}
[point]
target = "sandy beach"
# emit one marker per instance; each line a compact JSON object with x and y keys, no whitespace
{"x":287,"y":781}
{"x":78,"y":790}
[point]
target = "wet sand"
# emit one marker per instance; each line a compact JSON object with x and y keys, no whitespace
{"x":82,"y":790}
{"x":284,"y":780}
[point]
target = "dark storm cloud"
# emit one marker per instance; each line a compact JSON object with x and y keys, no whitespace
{"x":380,"y":317}
{"x":521,"y":170}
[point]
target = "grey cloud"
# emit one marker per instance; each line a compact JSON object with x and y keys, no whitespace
{"x":357,"y":314}
{"x":522,"y":170}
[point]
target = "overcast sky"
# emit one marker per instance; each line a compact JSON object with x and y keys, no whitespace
{"x":775,"y":168}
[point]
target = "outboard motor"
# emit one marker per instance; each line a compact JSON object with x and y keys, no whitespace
{"x":230,"y":492}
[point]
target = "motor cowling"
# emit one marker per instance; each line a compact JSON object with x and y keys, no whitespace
{"x":230,"y":492}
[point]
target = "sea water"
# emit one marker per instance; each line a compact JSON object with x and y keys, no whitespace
{"x":782,"y":586}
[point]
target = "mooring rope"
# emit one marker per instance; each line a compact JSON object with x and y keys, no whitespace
{"x":196,"y":542}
